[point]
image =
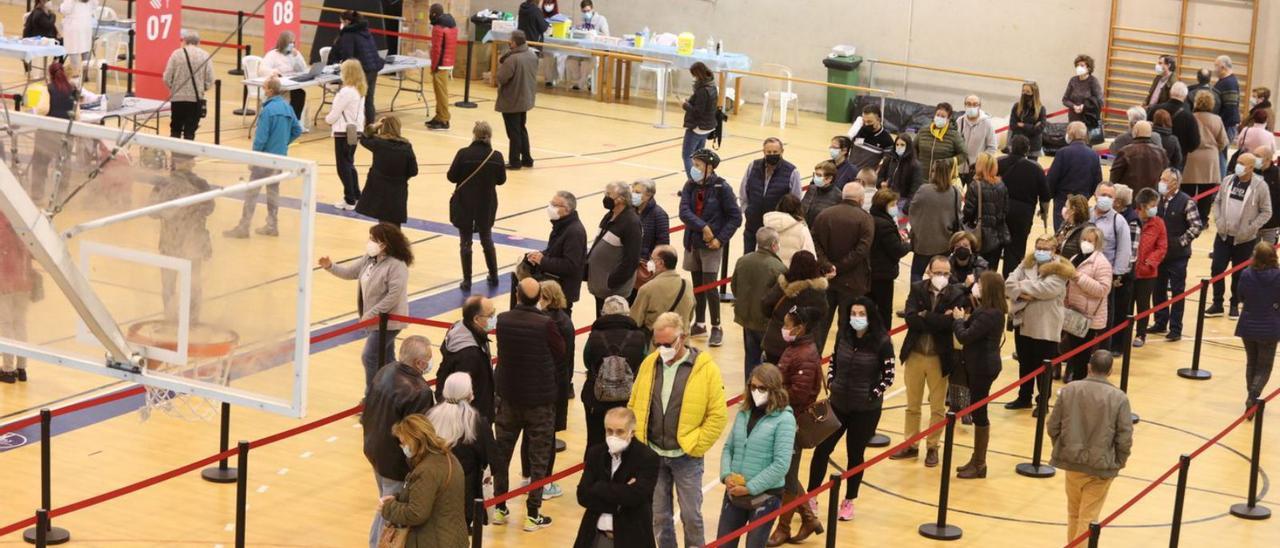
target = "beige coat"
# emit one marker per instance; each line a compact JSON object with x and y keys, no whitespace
{"x":1202,"y":163}
{"x":657,"y":296}
{"x":1091,"y":428}
{"x":178,"y":77}
{"x":1039,"y":315}
{"x":384,"y":287}
{"x":1087,"y":291}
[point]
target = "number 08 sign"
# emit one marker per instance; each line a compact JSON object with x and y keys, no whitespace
{"x":280,"y":16}
{"x":158,"y":33}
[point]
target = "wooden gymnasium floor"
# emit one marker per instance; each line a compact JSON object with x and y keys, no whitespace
{"x":316,"y":489}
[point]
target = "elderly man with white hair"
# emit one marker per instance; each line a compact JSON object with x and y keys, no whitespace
{"x":188,"y":75}
{"x":842,"y":236}
{"x":977,"y":133}
{"x":1076,"y":169}
{"x":612,"y":259}
{"x":1229,"y":89}
{"x":1135,"y":114}
{"x":1185,"y":127}
{"x":753,"y":276}
{"x":615,"y":340}
{"x":1240,"y":209}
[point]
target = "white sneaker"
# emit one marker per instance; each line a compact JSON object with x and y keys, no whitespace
{"x":344,"y":206}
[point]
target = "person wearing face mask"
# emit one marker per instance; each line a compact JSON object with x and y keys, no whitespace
{"x":1028,"y":187}
{"x":888,"y":247}
{"x":354,"y":41}
{"x":477,"y":171}
{"x":617,"y":487}
{"x":1151,"y":252}
{"x":711,"y":216}
{"x":842,"y":237}
{"x":466,"y":350}
{"x":935,"y":216}
{"x":616,"y":249}
{"x":277,"y":128}
{"x":655,"y":225}
{"x":613,"y":335}
{"x":466,"y":431}
{"x":869,"y":140}
{"x":940,"y":141}
{"x":1204,"y":162}
{"x":753,"y":276}
{"x":801,"y":368}
{"x":666,"y":292}
{"x":1182,"y":224}
{"x":977,"y":133}
{"x":754,"y":462}
{"x":1083,"y":95}
{"x":678,"y":400}
{"x":1037,"y":291}
{"x":564,"y":259}
{"x":1117,"y":246}
{"x":579,"y":69}
{"x":1254,"y":135}
{"x":550,"y":63}
{"x":383,"y":274}
{"x":927,"y":352}
{"x":1076,"y":169}
{"x":699,"y":113}
{"x":986,"y":208}
{"x":1259,"y":325}
{"x":398,"y":390}
{"x":845,"y":169}
{"x":1240,"y":209}
{"x":801,"y":286}
{"x":530,"y":347}
{"x":431,"y":506}
{"x":1076,"y":217}
{"x":1270,"y":173}
{"x":822,"y":191}
{"x":284,"y":60}
{"x":1087,"y":294}
{"x":188,"y":75}
{"x":1186,"y":125}
{"x":901,"y":172}
{"x":1139,"y":163}
{"x":531,"y":18}
{"x":385,"y":195}
{"x":1027,"y":118}
{"x":444,"y":47}
{"x":1162,"y":135}
{"x":1260,"y":100}
{"x":966,"y":266}
{"x":554,"y":305}
{"x":764,"y":183}
{"x":1166,"y":75}
{"x":982,"y":334}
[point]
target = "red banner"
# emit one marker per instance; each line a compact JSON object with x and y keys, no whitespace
{"x":280,"y":16}
{"x":158,"y":32}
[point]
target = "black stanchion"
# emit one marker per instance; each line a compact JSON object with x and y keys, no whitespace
{"x":129,"y":75}
{"x":42,"y":527}
{"x":129,"y":9}
{"x":1124,"y":363}
{"x":242,"y":489}
{"x":53,"y":535}
{"x":102,"y":79}
{"x":879,"y":440}
{"x":833,"y":509}
{"x":236,"y":70}
{"x":1095,"y":531}
{"x":1184,"y":462}
{"x":466,"y":84}
{"x":1194,"y":372}
{"x":217,"y":111}
{"x":479,"y":519}
{"x":1251,"y":509}
{"x":222,"y":473}
{"x":1035,"y":468}
{"x":940,"y":530}
{"x":725,"y":295}
{"x":382,"y":339}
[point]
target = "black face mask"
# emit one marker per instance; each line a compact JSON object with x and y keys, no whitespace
{"x":772,"y":159}
{"x":962,"y":254}
{"x":608,"y":202}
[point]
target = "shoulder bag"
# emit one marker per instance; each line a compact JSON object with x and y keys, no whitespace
{"x":1231,"y":164}
{"x":817,"y":422}
{"x":204,"y":104}
{"x":455,"y":208}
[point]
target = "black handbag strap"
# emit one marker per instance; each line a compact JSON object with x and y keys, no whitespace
{"x":679,"y":296}
{"x":194,"y":84}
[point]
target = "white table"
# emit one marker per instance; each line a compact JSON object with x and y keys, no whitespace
{"x":402,"y":65}
{"x":17,"y":48}
{"x":137,"y":109}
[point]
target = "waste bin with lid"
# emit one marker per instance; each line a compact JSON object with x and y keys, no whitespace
{"x":842,"y":69}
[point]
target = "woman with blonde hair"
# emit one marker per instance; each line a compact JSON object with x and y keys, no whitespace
{"x":467,"y":433}
{"x":347,"y":115}
{"x":986,"y":210}
{"x":283,"y":60}
{"x":1088,"y":293}
{"x":386,"y":187}
{"x":431,"y":505}
{"x":757,"y":455}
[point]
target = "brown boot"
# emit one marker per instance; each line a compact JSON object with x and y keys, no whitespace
{"x":782,"y":533}
{"x":809,"y":524}
{"x":977,"y":467}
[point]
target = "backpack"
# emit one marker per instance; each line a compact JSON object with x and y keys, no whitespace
{"x":614,"y":380}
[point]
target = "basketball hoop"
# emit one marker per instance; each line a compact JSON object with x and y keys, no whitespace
{"x":208,"y":350}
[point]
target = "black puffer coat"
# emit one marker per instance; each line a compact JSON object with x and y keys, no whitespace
{"x":385,"y":196}
{"x":474,"y":205}
{"x":993,"y":201}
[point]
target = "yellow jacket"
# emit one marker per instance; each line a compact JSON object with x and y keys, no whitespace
{"x":703,"y":414}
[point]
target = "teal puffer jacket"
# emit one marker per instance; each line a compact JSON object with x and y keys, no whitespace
{"x":764,"y":456}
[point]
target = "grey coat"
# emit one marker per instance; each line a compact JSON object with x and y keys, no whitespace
{"x":1091,"y":428}
{"x":934,"y":217}
{"x":384,"y":287}
{"x":1040,"y":316}
{"x":517,"y":80}
{"x":1256,"y":212}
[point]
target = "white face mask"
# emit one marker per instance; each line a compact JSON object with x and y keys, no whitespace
{"x":548,"y":8}
{"x":372,"y":248}
{"x":553,"y":212}
{"x":428,"y":368}
{"x":893,"y":211}
{"x":491,"y":324}
{"x":1241,"y":170}
{"x":976,"y":291}
{"x":939,"y":122}
{"x":651,"y":266}
{"x":1163,"y":187}
{"x":1081,"y":70}
{"x":408,"y":454}
{"x":939,"y":281}
{"x":1159,"y":69}
{"x":616,"y":445}
{"x":668,"y":353}
{"x":1086,"y":247}
{"x":760,"y":397}
{"x":900,"y":150}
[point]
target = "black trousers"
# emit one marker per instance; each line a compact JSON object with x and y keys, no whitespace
{"x":184,"y":119}
{"x":1077,"y":365}
{"x":345,"y":157}
{"x":1019,"y":220}
{"x":856,"y":427}
{"x":1142,"y":290}
{"x":298,"y":100}
{"x":979,"y":388}
{"x":518,"y":137}
{"x":882,"y":295}
{"x":1120,"y":307}
{"x":486,"y":243}
{"x":993,"y":259}
{"x":837,"y":308}
{"x":1260,"y":356}
{"x":1228,"y":252}
{"x":1031,"y":354}
{"x":370,"y":113}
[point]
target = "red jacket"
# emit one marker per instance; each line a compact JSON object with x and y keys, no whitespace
{"x":801,"y":368}
{"x":15,"y":262}
{"x":1152,"y":247}
{"x":444,"y":43}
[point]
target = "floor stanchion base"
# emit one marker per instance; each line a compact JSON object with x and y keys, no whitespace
{"x":235,"y":72}
{"x":1030,"y":470}
{"x":944,"y":532}
{"x":465,"y":104}
{"x":55,"y":535}
{"x":244,"y":112}
{"x":1135,"y":418}
{"x":560,"y":446}
{"x":1194,"y":374}
{"x":879,"y":440}
{"x":1255,"y":512}
{"x":218,"y":475}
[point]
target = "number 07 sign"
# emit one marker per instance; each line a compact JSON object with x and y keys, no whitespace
{"x":280,"y":16}
{"x":157,"y":33}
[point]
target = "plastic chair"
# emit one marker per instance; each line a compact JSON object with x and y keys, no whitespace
{"x":324,"y":90}
{"x":779,"y":91}
{"x":249,"y":64}
{"x":663,"y":77}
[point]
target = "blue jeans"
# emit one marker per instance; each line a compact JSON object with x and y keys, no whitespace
{"x":684,"y":474}
{"x":369,"y":357}
{"x":692,"y":143}
{"x":386,"y":487}
{"x":732,"y":518}
{"x":751,"y":341}
{"x":1222,"y":154}
{"x":1172,"y":280}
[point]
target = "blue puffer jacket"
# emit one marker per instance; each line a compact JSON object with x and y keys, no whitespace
{"x":355,"y":42}
{"x":277,"y":127}
{"x":720,"y":211}
{"x":1260,"y":294}
{"x":764,"y":456}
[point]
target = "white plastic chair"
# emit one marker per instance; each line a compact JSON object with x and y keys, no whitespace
{"x":779,"y":91}
{"x":249,"y":65}
{"x":663,"y":76}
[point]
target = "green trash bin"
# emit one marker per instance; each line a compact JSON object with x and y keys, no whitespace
{"x":842,"y":69}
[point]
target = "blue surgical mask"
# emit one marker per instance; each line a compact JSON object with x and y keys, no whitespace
{"x":636,"y":199}
{"x":695,"y":174}
{"x":835,"y":153}
{"x":1043,"y":255}
{"x":893,"y":211}
{"x":858,"y":323}
{"x":491,"y":324}
{"x":1153,"y":211}
{"x":1105,"y":203}
{"x":940,"y":121}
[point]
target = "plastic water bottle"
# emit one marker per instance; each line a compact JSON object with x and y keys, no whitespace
{"x":711,"y":44}
{"x":645,"y":33}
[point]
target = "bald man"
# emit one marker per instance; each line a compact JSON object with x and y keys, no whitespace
{"x":842,"y":237}
{"x":529,"y":347}
{"x":1240,"y":209}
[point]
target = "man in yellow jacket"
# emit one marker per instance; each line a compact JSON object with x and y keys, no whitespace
{"x":678,"y":400}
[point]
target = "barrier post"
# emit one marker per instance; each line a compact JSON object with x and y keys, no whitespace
{"x":128,"y":9}
{"x":129,"y":75}
{"x":1035,"y":468}
{"x":42,"y":524}
{"x":382,"y":339}
{"x":222,"y":473}
{"x":725,"y":295}
{"x":1194,"y":372}
{"x":242,"y":489}
{"x":1094,"y":531}
{"x":939,"y":530}
{"x":1184,"y":462}
{"x":478,"y":518}
{"x":1251,"y":509}
{"x":1124,"y":363}
{"x":833,"y":509}
{"x":102,"y":78}
{"x":217,"y":112}
{"x":53,"y":535}
{"x":466,"y":85}
{"x":236,"y":70}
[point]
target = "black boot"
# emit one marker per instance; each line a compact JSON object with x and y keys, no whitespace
{"x":465,"y":256}
{"x":491,"y":262}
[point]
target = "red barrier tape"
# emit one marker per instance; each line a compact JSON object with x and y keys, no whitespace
{"x":1053,"y":114}
{"x":211,"y":10}
{"x":222,"y":45}
{"x":133,"y":71}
